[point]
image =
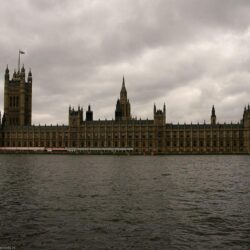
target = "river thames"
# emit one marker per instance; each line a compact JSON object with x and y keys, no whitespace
{"x":124,"y":202}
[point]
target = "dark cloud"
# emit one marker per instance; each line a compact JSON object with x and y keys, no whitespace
{"x":189,"y":54}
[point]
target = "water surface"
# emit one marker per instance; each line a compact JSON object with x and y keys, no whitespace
{"x":124,"y":202}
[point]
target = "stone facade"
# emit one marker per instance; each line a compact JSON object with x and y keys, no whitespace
{"x":17,"y":99}
{"x":153,"y":136}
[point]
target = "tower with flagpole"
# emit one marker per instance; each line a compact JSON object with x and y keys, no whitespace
{"x":18,"y":96}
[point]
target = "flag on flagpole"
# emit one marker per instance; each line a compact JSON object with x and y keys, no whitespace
{"x":21,"y":52}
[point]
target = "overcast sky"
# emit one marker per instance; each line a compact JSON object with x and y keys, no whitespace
{"x":190,"y":54}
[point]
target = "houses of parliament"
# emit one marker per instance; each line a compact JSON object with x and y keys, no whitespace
{"x":124,"y":133}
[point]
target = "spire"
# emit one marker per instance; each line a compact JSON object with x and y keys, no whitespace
{"x":7,"y":70}
{"x":164,"y":107}
{"x":30,"y":76}
{"x":213,"y":116}
{"x":23,"y":71}
{"x":213,"y":111}
{"x":7,"y":75}
{"x":123,"y":93}
{"x":123,"y":82}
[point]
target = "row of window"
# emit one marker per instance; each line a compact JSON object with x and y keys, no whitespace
{"x":14,"y":101}
{"x":206,"y":144}
{"x":55,"y":135}
{"x":94,"y":143}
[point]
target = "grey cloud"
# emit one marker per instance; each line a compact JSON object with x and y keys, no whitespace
{"x":191,"y":54}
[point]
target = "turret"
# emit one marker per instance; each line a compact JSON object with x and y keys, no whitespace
{"x":246,"y":116}
{"x":89,"y":114}
{"x":160,"y":116}
{"x":213,"y":116}
{"x":6,"y":93}
{"x":7,"y":74}
{"x":30,"y":77}
{"x":22,"y":74}
{"x":246,"y":124}
{"x":118,"y":111}
{"x":75,"y":116}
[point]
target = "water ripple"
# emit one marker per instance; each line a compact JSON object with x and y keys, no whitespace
{"x":106,"y":202}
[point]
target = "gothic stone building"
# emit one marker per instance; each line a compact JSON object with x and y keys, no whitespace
{"x":153,"y":136}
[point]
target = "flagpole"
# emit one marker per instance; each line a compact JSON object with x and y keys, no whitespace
{"x":19,"y":60}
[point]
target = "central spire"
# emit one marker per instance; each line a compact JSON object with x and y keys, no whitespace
{"x":123,"y":94}
{"x":123,"y":105}
{"x":123,"y":82}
